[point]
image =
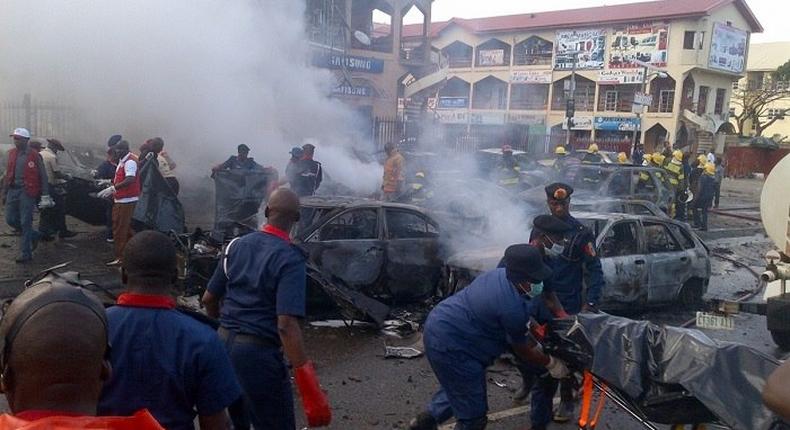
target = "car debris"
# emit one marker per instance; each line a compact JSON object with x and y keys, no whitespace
{"x":401,"y":352}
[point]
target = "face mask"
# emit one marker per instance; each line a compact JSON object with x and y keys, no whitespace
{"x":555,"y":250}
{"x":536,"y":290}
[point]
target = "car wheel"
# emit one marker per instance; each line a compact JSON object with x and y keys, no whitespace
{"x":782,"y":339}
{"x":690,"y":296}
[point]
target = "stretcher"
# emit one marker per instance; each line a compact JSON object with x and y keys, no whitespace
{"x":663,"y":375}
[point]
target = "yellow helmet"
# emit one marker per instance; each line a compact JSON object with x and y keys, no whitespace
{"x":677,"y":155}
{"x":702,"y":159}
{"x":658,"y":158}
{"x":593,"y":148}
{"x":561,"y":151}
{"x":648,"y":157}
{"x":622,"y":158}
{"x":710,"y":168}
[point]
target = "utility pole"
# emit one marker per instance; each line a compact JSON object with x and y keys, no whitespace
{"x":570,"y":105}
{"x":638,"y":126}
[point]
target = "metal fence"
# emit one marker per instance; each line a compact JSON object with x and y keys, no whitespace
{"x":41,"y":118}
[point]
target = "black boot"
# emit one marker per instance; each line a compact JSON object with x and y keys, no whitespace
{"x":423,"y":421}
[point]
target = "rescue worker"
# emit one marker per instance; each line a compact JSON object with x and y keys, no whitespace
{"x":719,"y":178}
{"x":25,"y":185}
{"x":105,"y":173}
{"x":393,"y":181}
{"x":647,"y":159}
{"x":677,"y":179}
{"x":697,"y":169}
{"x":240,"y":161}
{"x":508,"y":172}
{"x":294,"y":167}
{"x":467,"y":331}
{"x":312,"y":172}
{"x":658,"y":162}
{"x":55,"y":360}
{"x":707,"y":192}
{"x":592,"y":155}
{"x":163,"y":360}
{"x":418,"y":190}
{"x":575,"y":265}
{"x":166,"y":164}
{"x":622,"y":158}
{"x":261,"y":282}
{"x":638,"y":155}
{"x":53,"y":220}
{"x":125,"y":192}
{"x":645,"y":182}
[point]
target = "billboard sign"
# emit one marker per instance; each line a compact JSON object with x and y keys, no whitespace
{"x":356,"y":91}
{"x":621,"y":76}
{"x":487,"y":118}
{"x":523,"y":118}
{"x":645,"y":42}
{"x":530,"y":77}
{"x":453,"y":102}
{"x":728,"y":48}
{"x":491,"y":57}
{"x":616,"y":123}
{"x":579,"y":123}
{"x":453,"y":116}
{"x":349,"y":62}
{"x":590,"y":45}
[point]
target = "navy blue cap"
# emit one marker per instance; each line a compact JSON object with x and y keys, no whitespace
{"x":551,"y":224}
{"x":524,"y":262}
{"x":559,"y":191}
{"x":115,"y":138}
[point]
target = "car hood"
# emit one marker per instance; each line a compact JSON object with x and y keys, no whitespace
{"x":477,"y":260}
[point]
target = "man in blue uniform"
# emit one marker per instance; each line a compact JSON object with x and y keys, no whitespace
{"x":262,"y":282}
{"x":570,"y":258}
{"x":163,"y":360}
{"x":467,"y":331}
{"x":241,"y":161}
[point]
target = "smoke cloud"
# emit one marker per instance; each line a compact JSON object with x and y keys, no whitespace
{"x":205,"y":75}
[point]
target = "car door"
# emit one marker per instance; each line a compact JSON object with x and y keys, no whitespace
{"x":667,"y":262}
{"x":349,"y":246}
{"x":624,"y":264}
{"x":645,"y":186}
{"x":693,"y":263}
{"x":413,"y":267}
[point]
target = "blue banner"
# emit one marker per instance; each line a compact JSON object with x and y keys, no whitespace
{"x":453,"y":102}
{"x":616,"y":123}
{"x":351,"y":63}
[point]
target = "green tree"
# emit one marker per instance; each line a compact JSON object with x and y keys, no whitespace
{"x":755,"y":101}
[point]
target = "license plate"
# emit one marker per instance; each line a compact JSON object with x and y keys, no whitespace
{"x":715,"y":322}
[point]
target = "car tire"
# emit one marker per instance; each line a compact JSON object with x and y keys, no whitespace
{"x":781,"y":339}
{"x":691,"y":293}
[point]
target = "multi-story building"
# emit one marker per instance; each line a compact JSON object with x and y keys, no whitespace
{"x":361,"y":41}
{"x":764,"y":59}
{"x":507,"y":79}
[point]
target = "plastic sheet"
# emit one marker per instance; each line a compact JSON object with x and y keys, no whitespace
{"x":238,"y":197}
{"x":158,"y":207}
{"x":671,"y":375}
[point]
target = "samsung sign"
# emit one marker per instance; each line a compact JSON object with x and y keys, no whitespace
{"x":348,"y":90}
{"x":349,"y":62}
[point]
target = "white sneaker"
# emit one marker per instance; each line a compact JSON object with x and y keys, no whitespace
{"x":115,"y":262}
{"x":109,"y":240}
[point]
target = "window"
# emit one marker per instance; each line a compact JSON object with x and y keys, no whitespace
{"x":459,"y":55}
{"x":493,"y":52}
{"x":702,"y":100}
{"x":611,"y":101}
{"x":407,"y":225}
{"x":719,"y":106}
{"x":620,"y":240}
{"x":620,"y":185}
{"x":688,"y":39}
{"x":776,"y":113}
{"x":666,"y":99}
{"x":529,"y":96}
{"x":645,"y":186}
{"x":639,"y":209}
{"x":659,"y":239}
{"x":533,"y":51}
{"x":682,"y":235}
{"x":357,"y":224}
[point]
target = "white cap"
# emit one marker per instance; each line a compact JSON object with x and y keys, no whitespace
{"x":21,"y":132}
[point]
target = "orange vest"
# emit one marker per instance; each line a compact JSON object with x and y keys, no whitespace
{"x":142,"y":420}
{"x":393,"y":173}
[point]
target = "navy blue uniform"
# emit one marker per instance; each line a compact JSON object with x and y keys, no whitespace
{"x":567,"y":283}
{"x":234,"y":163}
{"x":464,"y":334}
{"x":265,"y":277}
{"x":168,"y":363}
{"x":703,"y":202}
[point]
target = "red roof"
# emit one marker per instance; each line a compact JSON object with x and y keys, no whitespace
{"x":632,"y":12}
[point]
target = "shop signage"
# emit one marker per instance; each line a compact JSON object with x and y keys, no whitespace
{"x":491,"y":57}
{"x":452,"y":116}
{"x":453,"y":102}
{"x":350,"y":62}
{"x":645,"y":42}
{"x":487,"y":118}
{"x":523,"y":118}
{"x":621,"y":76}
{"x":579,"y":123}
{"x":643,"y":99}
{"x":616,"y":123}
{"x":727,"y":48}
{"x":357,"y":91}
{"x":531,"y":77}
{"x":590,"y":45}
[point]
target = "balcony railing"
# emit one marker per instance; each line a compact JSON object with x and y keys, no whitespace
{"x":543,"y":59}
{"x":460,"y":62}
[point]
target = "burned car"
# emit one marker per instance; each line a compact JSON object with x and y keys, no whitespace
{"x":618,"y":206}
{"x":646,"y":260}
{"x":386,"y":251}
{"x":593,"y":181}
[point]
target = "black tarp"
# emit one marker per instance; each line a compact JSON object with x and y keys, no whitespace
{"x":672,"y":374}
{"x":158,"y":207}
{"x":238,"y":197}
{"x":82,"y":203}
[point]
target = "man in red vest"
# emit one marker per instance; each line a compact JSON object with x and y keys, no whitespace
{"x":125,"y":192}
{"x":25,"y":183}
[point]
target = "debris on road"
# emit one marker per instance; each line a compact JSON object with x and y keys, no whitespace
{"x":401,"y":352}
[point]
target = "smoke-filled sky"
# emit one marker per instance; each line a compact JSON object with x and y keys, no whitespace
{"x":205,"y":75}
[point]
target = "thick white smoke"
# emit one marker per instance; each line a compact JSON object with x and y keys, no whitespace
{"x":205,"y":75}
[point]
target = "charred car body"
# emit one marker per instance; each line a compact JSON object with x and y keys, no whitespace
{"x":646,"y":260}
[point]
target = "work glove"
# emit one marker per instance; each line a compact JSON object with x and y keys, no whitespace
{"x":104,"y":182}
{"x":557,"y":368}
{"x":314,"y":402}
{"x":46,"y":202}
{"x":94,"y":172}
{"x":106,"y":193}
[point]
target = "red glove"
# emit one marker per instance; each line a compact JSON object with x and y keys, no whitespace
{"x":539,"y":331}
{"x":314,"y":402}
